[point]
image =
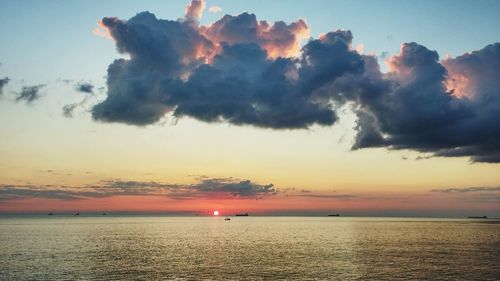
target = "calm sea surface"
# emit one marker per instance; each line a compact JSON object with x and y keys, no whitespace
{"x":248,"y":248}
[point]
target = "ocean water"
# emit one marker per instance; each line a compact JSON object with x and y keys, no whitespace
{"x":248,"y":248}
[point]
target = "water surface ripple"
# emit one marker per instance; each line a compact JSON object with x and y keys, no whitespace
{"x":248,"y":248}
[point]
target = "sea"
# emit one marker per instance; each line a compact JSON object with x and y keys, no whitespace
{"x":247,"y":248}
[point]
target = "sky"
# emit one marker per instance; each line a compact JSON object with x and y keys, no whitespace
{"x":267,"y":107}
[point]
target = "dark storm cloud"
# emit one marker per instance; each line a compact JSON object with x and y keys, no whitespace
{"x":29,"y":94}
{"x":85,"y":87}
{"x":243,"y":87}
{"x":438,"y":107}
{"x":248,"y":72}
{"x":207,"y":187}
{"x":175,"y":68}
{"x":467,"y":189}
{"x":3,"y":82}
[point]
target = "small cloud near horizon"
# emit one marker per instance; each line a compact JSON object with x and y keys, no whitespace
{"x":467,"y":189}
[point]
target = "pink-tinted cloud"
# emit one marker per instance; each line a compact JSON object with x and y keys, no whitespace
{"x":194,"y":10}
{"x":278,"y":39}
{"x":474,"y":75}
{"x":102,"y":31}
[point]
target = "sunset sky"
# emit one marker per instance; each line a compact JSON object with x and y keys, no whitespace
{"x":269,"y":107}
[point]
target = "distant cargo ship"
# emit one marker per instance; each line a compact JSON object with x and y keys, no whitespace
{"x":334,"y":215}
{"x":242,"y":215}
{"x":478,"y":217}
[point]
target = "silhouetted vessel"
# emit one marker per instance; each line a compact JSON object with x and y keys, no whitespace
{"x":103,"y":214}
{"x":334,"y":215}
{"x":242,"y":215}
{"x":227,"y":219}
{"x":77,"y":214}
{"x":50,"y":214}
{"x":478,"y":217}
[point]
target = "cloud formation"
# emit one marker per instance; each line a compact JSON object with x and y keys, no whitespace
{"x":473,"y":194}
{"x":449,"y":108}
{"x":30,"y":94}
{"x":3,"y":82}
{"x":215,"y":9}
{"x":194,"y":10}
{"x":85,"y":87}
{"x":205,"y":187}
{"x":467,"y":189}
{"x":233,"y":187}
{"x":246,"y":71}
{"x":68,"y":109}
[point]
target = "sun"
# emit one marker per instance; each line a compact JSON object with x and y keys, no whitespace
{"x":216,"y":213}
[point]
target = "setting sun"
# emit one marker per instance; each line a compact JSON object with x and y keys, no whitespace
{"x":216,"y":213}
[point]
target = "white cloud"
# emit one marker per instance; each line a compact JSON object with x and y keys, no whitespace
{"x":215,"y":9}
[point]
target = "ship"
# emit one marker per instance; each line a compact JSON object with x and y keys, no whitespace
{"x":242,"y":215}
{"x":334,"y":215}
